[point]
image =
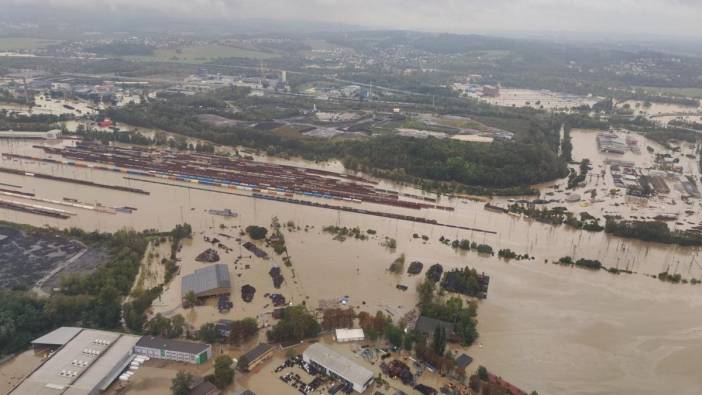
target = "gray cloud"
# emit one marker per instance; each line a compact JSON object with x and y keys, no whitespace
{"x":663,"y":17}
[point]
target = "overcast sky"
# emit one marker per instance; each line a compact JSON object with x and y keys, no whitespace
{"x":630,"y":17}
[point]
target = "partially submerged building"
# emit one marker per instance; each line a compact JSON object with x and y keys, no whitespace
{"x":86,"y":363}
{"x":200,"y":386}
{"x":208,"y":281}
{"x":339,"y":366}
{"x":256,"y":356}
{"x":427,"y":326}
{"x":173,"y":350}
{"x":463,"y":361}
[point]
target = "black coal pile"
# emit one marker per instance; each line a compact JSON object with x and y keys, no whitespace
{"x":247,"y":293}
{"x":434,"y":273}
{"x":415,"y":267}
{"x":209,"y":255}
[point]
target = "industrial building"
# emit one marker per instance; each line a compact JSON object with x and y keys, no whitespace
{"x":209,"y":281}
{"x":339,"y":366}
{"x":491,"y":91}
{"x":86,"y":362}
{"x":255,"y":356}
{"x":173,"y":350}
{"x":55,"y":339}
{"x":17,"y":134}
{"x":349,"y":335}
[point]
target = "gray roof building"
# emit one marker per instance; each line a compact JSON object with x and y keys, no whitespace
{"x":208,"y":281}
{"x":427,"y":325}
{"x":172,"y":344}
{"x":463,"y":361}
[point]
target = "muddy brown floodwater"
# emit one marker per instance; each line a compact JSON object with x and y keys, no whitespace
{"x":545,"y":327}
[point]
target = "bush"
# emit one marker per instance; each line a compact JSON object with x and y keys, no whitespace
{"x":256,"y":232}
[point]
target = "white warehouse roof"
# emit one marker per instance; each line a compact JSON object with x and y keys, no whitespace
{"x":58,"y":337}
{"x":85,"y":365}
{"x":349,"y":335}
{"x":340,"y":365}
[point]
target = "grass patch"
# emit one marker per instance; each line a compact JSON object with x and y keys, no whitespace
{"x":18,"y":43}
{"x":464,"y":123}
{"x":292,"y":131}
{"x":683,"y":92}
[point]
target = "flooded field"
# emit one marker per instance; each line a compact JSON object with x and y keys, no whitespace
{"x":542,"y":99}
{"x":601,"y":195}
{"x":663,"y":112}
{"x":45,"y":105}
{"x":558,"y":330}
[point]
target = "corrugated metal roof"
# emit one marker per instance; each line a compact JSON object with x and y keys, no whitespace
{"x":206,"y":279}
{"x":339,"y":364}
{"x":58,"y":337}
{"x":349,"y":334}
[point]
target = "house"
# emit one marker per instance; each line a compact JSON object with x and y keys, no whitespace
{"x":224,"y":327}
{"x":427,"y":326}
{"x":200,"y":386}
{"x":463,"y":361}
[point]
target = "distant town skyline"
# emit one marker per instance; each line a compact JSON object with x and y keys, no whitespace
{"x":673,"y":18}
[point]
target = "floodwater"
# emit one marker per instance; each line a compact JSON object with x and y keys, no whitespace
{"x":675,"y":203}
{"x":538,"y":99}
{"x":545,"y":327}
{"x":46,"y":105}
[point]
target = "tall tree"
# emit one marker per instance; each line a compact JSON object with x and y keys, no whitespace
{"x":181,"y":383}
{"x":223,"y":371}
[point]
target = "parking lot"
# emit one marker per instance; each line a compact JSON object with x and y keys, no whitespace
{"x":307,"y":379}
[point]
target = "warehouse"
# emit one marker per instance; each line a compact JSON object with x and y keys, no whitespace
{"x":209,"y":281}
{"x":349,"y":335}
{"x":173,"y":350}
{"x":338,"y":365}
{"x":85,"y":365}
{"x":17,"y":134}
{"x":55,"y":339}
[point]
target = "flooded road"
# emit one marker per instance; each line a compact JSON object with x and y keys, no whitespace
{"x":554,"y":329}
